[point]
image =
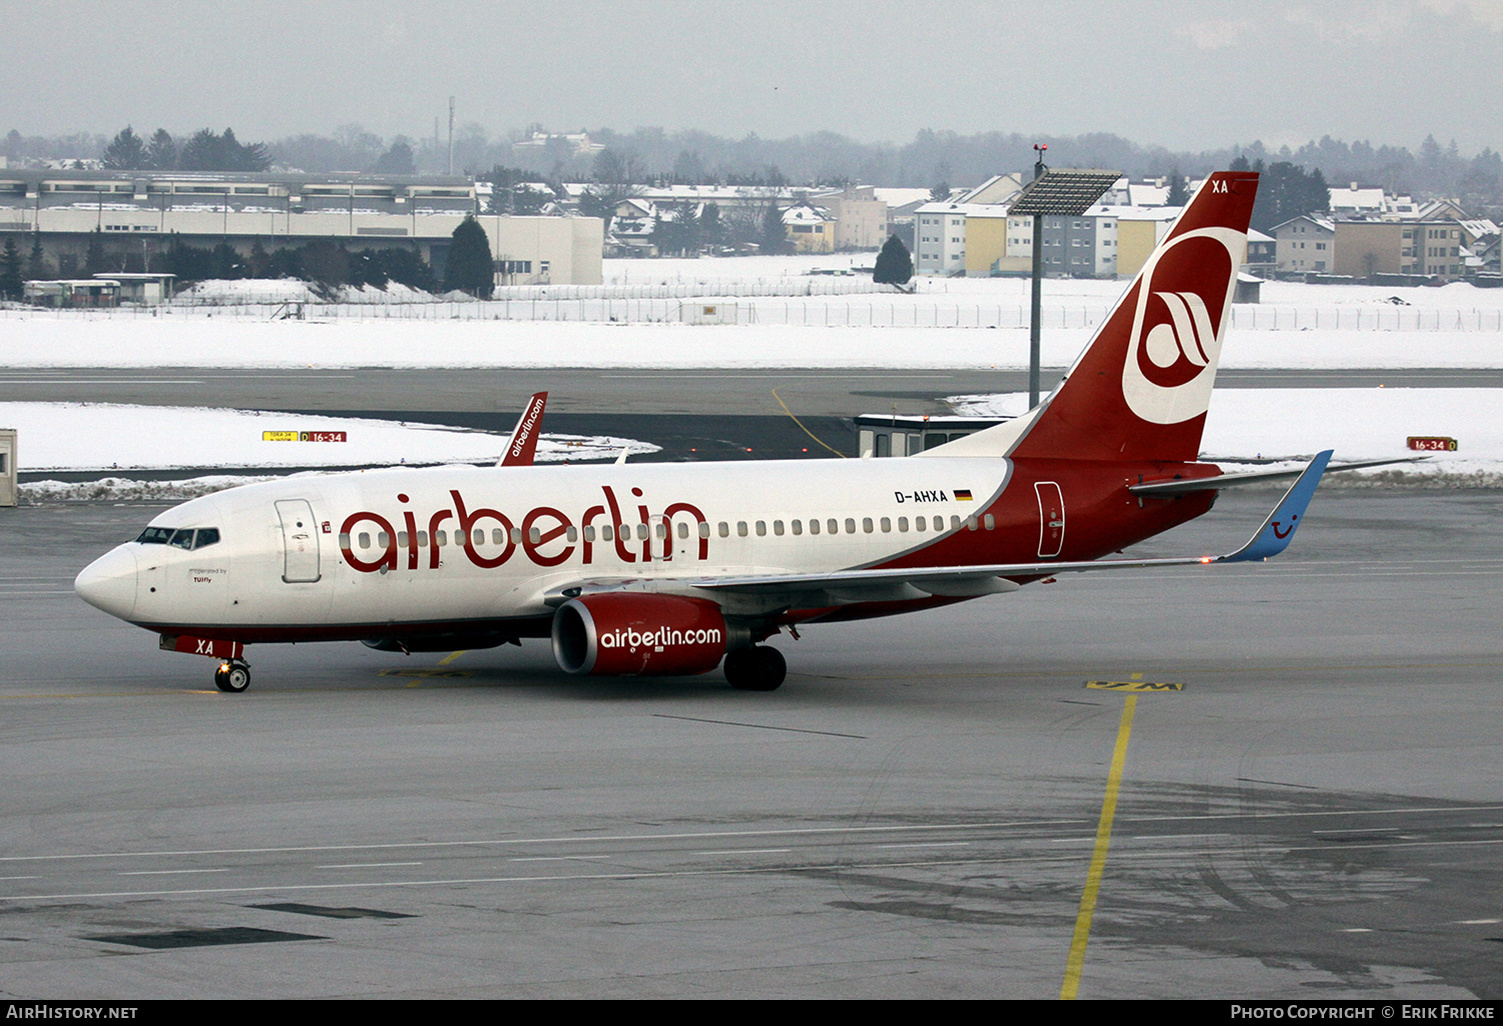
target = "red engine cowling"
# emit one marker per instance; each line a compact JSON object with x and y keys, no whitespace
{"x":635,"y":634}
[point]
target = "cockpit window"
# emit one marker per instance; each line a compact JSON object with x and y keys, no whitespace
{"x":187,"y":538}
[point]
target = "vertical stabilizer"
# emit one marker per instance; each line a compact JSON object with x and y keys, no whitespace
{"x":524,"y":437}
{"x":1141,"y":389}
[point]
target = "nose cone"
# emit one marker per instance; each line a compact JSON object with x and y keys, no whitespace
{"x":109,"y":583}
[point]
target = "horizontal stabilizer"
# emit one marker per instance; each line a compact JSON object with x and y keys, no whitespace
{"x":1212,"y":484}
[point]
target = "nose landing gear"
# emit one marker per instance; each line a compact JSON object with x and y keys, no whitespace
{"x":233,"y":676}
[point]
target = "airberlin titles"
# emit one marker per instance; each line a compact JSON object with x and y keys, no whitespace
{"x":536,"y":534}
{"x":546,"y":535}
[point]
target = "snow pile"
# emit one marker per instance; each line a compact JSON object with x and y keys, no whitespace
{"x":118,"y":489}
{"x":1292,"y":424}
{"x":79,"y":436}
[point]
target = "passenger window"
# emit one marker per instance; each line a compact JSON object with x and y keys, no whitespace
{"x":206,"y":536}
{"x":741,"y":528}
{"x":422,"y":539}
{"x":761,"y":528}
{"x":383,"y":540}
{"x":777,"y":528}
{"x":724,"y":529}
{"x":902,"y":525}
{"x":535,"y":535}
{"x":798,"y":527}
{"x":989,"y":522}
{"x":479,"y":537}
{"x":661,"y":530}
{"x":683,"y":530}
{"x":605,"y":533}
{"x":516,"y":536}
{"x":970,"y":523}
{"x":589,"y":533}
{"x":886,"y":525}
{"x":182,"y":540}
{"x":365,"y":539}
{"x":704,"y":528}
{"x":571,"y":533}
{"x":939,"y":523}
{"x":344,"y":539}
{"x":866,"y":524}
{"x":920,"y":524}
{"x":498,"y":536}
{"x":642,"y":532}
{"x":850,"y":525}
{"x":814,"y":527}
{"x":954,"y":523}
{"x":833,"y":526}
{"x":401,"y":539}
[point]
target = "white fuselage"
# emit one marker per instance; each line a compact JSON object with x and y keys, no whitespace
{"x":378,"y":550}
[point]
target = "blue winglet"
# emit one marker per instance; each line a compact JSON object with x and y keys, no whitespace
{"x":1278,"y":530}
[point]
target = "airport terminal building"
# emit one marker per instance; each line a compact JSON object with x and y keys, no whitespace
{"x":139,"y":215}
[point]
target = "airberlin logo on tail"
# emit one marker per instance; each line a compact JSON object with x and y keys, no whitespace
{"x":1183,"y":296}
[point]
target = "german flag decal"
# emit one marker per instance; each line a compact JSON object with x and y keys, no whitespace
{"x":962,"y":495}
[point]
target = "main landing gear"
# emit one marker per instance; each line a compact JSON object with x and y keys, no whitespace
{"x":233,"y":676}
{"x":758,"y":668}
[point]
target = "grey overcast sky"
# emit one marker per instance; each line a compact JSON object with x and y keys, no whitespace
{"x":1186,"y":75}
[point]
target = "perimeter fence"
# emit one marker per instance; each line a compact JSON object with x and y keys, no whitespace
{"x":899,"y":311}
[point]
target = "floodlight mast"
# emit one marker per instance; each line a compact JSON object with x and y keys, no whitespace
{"x":1061,"y":193}
{"x":1035,"y":312}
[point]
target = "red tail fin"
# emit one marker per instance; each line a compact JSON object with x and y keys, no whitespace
{"x":1141,"y":388}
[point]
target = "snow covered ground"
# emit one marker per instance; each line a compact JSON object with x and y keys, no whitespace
{"x":1328,"y":327}
{"x":1287,"y":424}
{"x":1244,"y":424}
{"x":104,"y":437}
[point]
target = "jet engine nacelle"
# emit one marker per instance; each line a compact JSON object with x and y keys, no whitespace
{"x":634,"y":634}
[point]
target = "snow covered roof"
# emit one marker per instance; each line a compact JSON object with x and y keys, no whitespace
{"x":1354,"y":198}
{"x":895,"y":197}
{"x":1320,"y":222}
{"x":805,"y":213}
{"x":1147,"y":195}
{"x":964,"y":209}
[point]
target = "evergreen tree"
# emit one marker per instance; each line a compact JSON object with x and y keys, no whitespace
{"x":396,"y":161}
{"x":774,"y":234}
{"x":209,"y":151}
{"x":11,"y":281}
{"x":469,"y":267}
{"x":161,"y":152}
{"x":712,"y":233}
{"x":894,"y":265}
{"x":1179,"y":192}
{"x":126,"y":152}
{"x":94,"y":259}
{"x":37,"y":267}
